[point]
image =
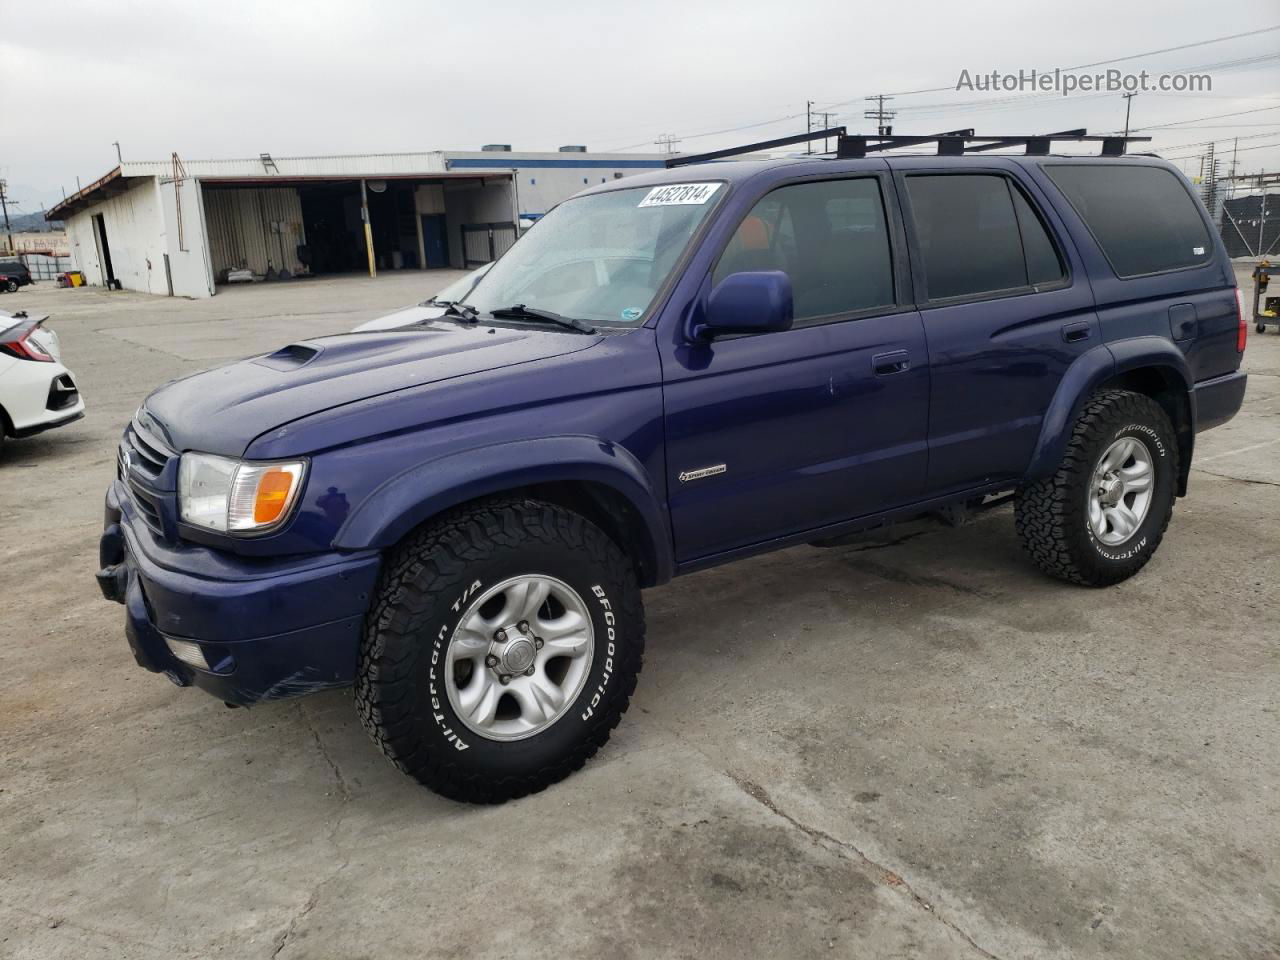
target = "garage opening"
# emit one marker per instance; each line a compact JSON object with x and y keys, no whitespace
{"x":315,"y":227}
{"x":104,"y":251}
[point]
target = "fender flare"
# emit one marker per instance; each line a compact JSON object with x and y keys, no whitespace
{"x":1092,"y":369}
{"x":427,"y":489}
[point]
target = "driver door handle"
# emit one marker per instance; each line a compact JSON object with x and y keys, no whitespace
{"x":887,"y":364}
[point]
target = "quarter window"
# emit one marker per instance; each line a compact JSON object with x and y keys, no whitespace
{"x":829,"y":237}
{"x":1143,"y":218}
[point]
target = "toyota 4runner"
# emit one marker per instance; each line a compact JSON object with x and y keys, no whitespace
{"x":670,"y":372}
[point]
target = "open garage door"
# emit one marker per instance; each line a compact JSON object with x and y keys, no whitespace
{"x":254,"y":228}
{"x":482,"y":218}
{"x":315,"y":226}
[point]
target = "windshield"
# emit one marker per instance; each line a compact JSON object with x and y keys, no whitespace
{"x":602,"y":257}
{"x":459,"y":288}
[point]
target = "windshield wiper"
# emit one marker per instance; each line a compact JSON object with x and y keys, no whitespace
{"x":457,"y":308}
{"x":518,"y":311}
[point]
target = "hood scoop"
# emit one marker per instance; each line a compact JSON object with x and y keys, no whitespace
{"x":292,"y":357}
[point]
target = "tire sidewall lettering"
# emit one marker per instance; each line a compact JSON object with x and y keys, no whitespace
{"x":611,"y":638}
{"x":438,"y":646}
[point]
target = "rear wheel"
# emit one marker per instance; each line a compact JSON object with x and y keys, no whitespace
{"x":1260,"y":328}
{"x":502,"y":649}
{"x":11,"y":286}
{"x":1103,"y":513}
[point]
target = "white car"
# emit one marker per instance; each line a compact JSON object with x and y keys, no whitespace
{"x":428,"y":309}
{"x":36,"y":391}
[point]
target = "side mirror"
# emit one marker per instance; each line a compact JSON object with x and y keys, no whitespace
{"x":754,"y":302}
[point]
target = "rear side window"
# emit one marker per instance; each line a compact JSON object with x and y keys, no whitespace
{"x":968,"y":233}
{"x":829,"y":237}
{"x":1143,"y":218}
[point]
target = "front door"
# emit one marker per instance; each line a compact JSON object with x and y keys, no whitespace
{"x":1005,"y":313}
{"x":774,"y":434}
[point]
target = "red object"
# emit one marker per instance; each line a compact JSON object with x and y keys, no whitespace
{"x":1242,"y":331}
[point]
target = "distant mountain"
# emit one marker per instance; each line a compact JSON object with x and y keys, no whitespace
{"x":31,"y":223}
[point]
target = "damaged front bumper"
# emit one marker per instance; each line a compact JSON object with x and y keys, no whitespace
{"x":243,"y":629}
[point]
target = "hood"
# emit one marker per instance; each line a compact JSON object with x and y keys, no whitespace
{"x":222,"y":410}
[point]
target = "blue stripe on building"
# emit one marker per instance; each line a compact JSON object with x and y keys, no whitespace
{"x":511,"y":162}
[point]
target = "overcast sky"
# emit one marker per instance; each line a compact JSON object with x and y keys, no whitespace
{"x":233,"y":79}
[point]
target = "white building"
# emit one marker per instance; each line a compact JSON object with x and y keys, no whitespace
{"x":177,"y":228}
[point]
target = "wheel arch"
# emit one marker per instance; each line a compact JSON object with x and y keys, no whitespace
{"x":1151,"y":366}
{"x":598,"y":479}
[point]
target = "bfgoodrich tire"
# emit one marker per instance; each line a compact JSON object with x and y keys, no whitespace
{"x":503,"y":647}
{"x":1100,"y":517}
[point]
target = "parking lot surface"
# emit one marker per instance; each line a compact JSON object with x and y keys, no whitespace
{"x":914,"y":745}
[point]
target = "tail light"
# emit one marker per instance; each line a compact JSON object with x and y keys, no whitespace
{"x":1242,"y":331}
{"x":19,"y":344}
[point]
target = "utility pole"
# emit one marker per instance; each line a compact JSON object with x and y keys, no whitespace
{"x":4,"y":205}
{"x":667,"y":142}
{"x":880,"y":115}
{"x":808,"y":124}
{"x":1128,"y":103}
{"x":826,"y":125}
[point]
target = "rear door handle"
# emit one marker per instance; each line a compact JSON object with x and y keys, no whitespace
{"x":887,"y":364}
{"x":1075,"y":332}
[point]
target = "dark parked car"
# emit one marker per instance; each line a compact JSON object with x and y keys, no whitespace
{"x":672,"y":371}
{"x":15,"y":274}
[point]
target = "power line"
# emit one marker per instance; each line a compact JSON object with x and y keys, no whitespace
{"x":1100,"y":63}
{"x":1216,"y":116}
{"x":1259,"y":146}
{"x":995,"y":104}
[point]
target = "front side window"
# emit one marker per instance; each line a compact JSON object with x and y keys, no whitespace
{"x":1143,"y":218}
{"x":829,"y":237}
{"x":602,"y":257}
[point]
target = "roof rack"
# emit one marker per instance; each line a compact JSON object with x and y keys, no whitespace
{"x":951,"y":143}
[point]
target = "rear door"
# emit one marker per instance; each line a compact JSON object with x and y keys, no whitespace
{"x":774,"y":434}
{"x":1006,"y":308}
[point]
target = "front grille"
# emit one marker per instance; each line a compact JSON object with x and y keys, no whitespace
{"x":149,"y":454}
{"x":147,"y":509}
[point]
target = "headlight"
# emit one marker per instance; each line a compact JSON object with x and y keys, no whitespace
{"x":237,"y":496}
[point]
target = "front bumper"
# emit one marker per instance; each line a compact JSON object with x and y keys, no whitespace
{"x":265,"y":628}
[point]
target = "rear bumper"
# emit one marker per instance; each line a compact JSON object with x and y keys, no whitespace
{"x":262,"y":631}
{"x":1219,"y":399}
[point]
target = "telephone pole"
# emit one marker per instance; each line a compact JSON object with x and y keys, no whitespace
{"x":826,"y":125}
{"x":4,"y":205}
{"x":880,"y":115}
{"x":1128,"y":103}
{"x":808,"y":124}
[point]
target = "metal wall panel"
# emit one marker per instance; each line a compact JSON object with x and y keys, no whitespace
{"x":258,"y":228}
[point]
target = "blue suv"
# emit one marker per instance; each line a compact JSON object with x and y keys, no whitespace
{"x":666,"y":373}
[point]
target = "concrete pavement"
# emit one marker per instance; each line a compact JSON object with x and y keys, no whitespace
{"x":910,"y":746}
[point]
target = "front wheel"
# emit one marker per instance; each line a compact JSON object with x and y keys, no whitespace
{"x":501,"y":650}
{"x":1100,"y":517}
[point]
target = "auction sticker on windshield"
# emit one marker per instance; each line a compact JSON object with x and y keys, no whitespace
{"x":679,"y":193}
